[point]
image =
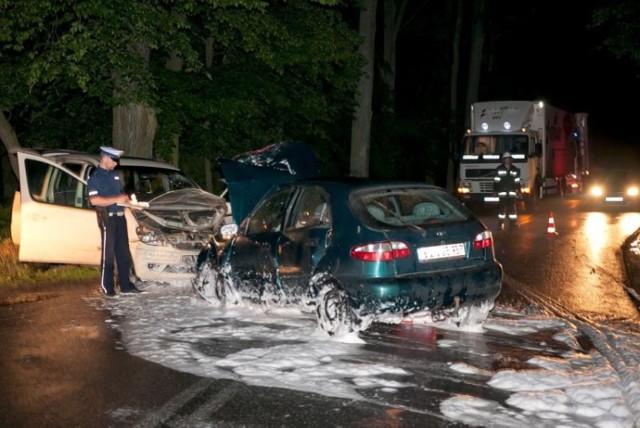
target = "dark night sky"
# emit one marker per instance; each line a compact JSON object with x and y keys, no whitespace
{"x":566,"y":66}
{"x":537,"y":50}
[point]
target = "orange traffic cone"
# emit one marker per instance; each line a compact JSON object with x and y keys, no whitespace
{"x":551,"y":225}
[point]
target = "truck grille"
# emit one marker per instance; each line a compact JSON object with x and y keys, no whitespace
{"x":486,"y":186}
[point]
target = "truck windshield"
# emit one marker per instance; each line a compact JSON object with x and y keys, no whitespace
{"x":476,"y":145}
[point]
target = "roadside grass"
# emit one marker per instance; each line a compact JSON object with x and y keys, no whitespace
{"x":16,"y":274}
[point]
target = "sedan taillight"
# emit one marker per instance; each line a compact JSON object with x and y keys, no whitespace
{"x":381,"y":251}
{"x":483,"y":240}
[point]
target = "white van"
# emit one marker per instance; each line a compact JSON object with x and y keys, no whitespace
{"x":52,"y":221}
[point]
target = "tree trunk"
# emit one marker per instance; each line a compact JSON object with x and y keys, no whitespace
{"x":7,"y":134}
{"x":134,"y":124}
{"x":208,"y":63}
{"x":475,"y":61}
{"x":361,"y":124}
{"x":208,"y":175}
{"x":134,"y":127}
{"x":393,"y":17}
{"x":453,"y":101}
{"x":10,"y":140}
{"x":174,"y":63}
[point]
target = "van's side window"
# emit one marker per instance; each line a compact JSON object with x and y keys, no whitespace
{"x":52,"y":185}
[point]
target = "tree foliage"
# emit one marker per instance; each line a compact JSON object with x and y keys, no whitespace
{"x":280,"y":70}
{"x":621,"y":24}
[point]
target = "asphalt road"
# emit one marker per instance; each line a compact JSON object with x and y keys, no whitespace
{"x":62,"y":365}
{"x":586,"y":267}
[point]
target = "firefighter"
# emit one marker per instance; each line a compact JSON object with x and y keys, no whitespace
{"x":507,"y":186}
{"x":105,"y":194}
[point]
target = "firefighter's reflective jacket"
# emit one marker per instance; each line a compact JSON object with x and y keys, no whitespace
{"x":507,"y":180}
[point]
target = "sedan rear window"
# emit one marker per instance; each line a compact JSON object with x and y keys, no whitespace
{"x":402,"y":207}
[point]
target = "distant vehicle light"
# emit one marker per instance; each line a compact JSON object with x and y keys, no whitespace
{"x":484,"y":126}
{"x":507,"y":125}
{"x":596,"y":191}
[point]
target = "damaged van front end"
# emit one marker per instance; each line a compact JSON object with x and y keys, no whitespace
{"x":172,"y":231}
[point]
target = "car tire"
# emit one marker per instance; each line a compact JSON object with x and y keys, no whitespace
{"x":214,"y":285}
{"x":334,"y":312}
{"x":203,"y":282}
{"x":270,"y":296}
{"x":470,"y":317}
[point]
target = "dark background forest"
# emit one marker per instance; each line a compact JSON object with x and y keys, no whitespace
{"x":189,"y":81}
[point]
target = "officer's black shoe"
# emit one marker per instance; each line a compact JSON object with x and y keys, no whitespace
{"x":110,"y":294}
{"x":132,"y":290}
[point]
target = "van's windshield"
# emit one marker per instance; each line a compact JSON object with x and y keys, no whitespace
{"x":147,"y":183}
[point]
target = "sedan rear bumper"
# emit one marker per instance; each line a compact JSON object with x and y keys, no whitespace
{"x":437,"y":291}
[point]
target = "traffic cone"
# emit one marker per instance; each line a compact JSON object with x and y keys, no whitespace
{"x":551,"y":225}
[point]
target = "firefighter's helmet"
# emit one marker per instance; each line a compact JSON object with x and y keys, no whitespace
{"x":506,"y":155}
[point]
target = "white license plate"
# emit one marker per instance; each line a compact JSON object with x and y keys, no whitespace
{"x":614,"y":199}
{"x":441,"y":252}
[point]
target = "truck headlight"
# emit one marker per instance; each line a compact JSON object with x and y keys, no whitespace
{"x":464,"y":188}
{"x":632,"y":191}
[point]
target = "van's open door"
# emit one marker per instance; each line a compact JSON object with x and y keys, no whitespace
{"x":56,"y":224}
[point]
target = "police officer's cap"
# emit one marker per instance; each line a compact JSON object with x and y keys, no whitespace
{"x":506,"y":155}
{"x":112,"y":152}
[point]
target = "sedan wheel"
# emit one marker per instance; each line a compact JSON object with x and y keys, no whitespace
{"x":215,"y":286}
{"x":334,"y":312}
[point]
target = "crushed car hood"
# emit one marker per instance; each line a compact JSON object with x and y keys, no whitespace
{"x":187,"y":210}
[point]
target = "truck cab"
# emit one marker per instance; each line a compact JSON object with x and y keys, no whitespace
{"x":481,"y":155}
{"x":547,"y":144}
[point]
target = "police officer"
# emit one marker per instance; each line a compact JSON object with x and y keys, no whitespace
{"x":507,"y":185}
{"x":105,"y":193}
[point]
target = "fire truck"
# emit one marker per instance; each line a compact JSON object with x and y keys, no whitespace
{"x":549,"y":145}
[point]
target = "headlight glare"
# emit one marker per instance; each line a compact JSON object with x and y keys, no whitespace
{"x":596,"y":191}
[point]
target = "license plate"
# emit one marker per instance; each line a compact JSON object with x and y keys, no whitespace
{"x":614,"y":199}
{"x":441,"y":252}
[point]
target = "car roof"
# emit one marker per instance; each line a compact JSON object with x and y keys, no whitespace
{"x":74,"y":155}
{"x":355,"y":183}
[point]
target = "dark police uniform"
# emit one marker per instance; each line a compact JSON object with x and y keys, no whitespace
{"x":507,"y":185}
{"x":113,"y":228}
